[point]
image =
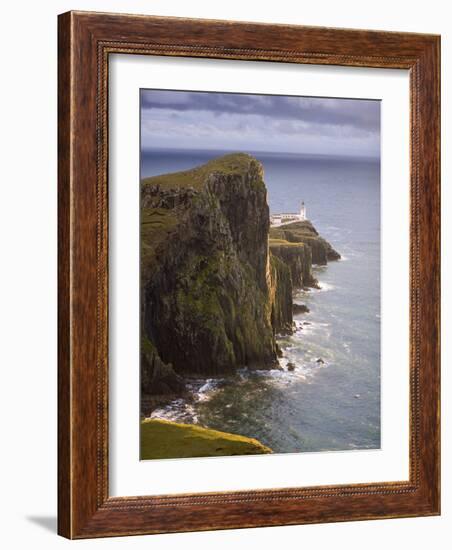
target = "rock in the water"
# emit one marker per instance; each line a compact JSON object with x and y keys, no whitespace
{"x":320,"y":361}
{"x":300,"y":308}
{"x":291,"y":366}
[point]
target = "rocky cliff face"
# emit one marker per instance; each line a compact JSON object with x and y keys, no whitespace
{"x":206,"y":282}
{"x":281,"y":296}
{"x":214,"y":294}
{"x":298,"y":257}
{"x":304,"y":232}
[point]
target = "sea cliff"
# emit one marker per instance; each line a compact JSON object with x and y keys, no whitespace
{"x":305,"y":233}
{"x":216,"y":281}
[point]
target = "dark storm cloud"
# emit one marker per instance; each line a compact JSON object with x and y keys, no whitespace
{"x":210,"y":120}
{"x":362,"y":115}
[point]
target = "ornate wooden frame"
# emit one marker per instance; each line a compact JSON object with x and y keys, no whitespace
{"x":85,"y":42}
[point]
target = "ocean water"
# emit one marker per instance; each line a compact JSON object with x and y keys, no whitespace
{"x":334,"y":405}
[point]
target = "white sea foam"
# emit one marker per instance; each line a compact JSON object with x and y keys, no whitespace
{"x":303,"y":330}
{"x":176,"y":411}
{"x":208,"y":389}
{"x":325,"y":287}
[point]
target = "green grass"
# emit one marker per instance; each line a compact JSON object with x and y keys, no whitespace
{"x":165,"y":439}
{"x":293,"y":232}
{"x":233,"y":163}
{"x":156,"y":225}
{"x":283,"y":242}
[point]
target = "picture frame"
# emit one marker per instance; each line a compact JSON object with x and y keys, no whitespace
{"x":85,"y":507}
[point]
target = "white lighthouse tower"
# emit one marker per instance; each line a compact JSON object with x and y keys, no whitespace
{"x":302,"y":211}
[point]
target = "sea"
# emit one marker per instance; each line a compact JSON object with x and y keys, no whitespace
{"x":331,"y":400}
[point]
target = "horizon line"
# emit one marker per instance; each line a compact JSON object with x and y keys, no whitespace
{"x":335,"y":155}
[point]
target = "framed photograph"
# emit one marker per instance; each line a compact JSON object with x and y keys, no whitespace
{"x":249,"y":259}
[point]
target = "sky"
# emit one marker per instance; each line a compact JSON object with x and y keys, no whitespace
{"x":252,"y":123}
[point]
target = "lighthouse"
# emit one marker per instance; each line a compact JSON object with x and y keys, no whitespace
{"x":302,"y":211}
{"x":286,"y":218}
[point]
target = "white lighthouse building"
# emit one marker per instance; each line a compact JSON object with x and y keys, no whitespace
{"x":291,"y":217}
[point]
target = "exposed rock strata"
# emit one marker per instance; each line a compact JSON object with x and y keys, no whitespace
{"x":298,"y":257}
{"x":304,"y":232}
{"x":281,"y":296}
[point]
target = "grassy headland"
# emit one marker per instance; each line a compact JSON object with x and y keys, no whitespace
{"x":165,"y":439}
{"x":231,"y":164}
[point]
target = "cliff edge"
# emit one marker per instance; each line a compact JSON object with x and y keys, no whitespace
{"x":303,"y":232}
{"x":206,"y":282}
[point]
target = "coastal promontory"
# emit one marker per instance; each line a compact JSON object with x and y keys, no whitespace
{"x":217,"y":282}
